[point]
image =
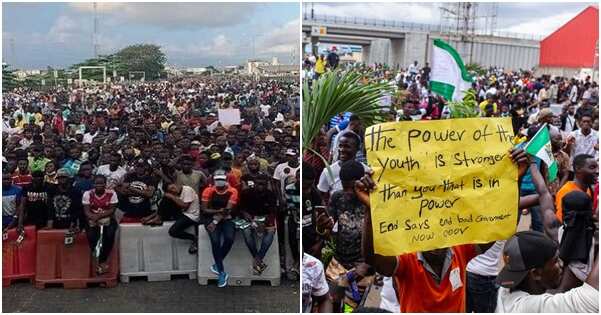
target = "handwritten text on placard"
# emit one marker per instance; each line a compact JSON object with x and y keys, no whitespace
{"x":441,"y":183}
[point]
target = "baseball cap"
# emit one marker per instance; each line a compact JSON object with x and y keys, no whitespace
{"x":220,"y":178}
{"x":524,"y":251}
{"x":269,"y":139}
{"x":63,"y":172}
{"x":291,"y":152}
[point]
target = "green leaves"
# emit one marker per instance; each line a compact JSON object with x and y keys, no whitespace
{"x":338,"y":92}
{"x":9,"y":80}
{"x":467,"y":108}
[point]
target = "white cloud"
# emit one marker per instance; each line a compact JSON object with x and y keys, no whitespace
{"x":409,"y":12}
{"x":280,"y":40}
{"x":63,"y":30}
{"x":175,"y":15}
{"x":219,"y":46}
{"x":541,"y":26}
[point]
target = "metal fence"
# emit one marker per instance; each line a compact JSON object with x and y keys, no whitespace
{"x":402,"y":25}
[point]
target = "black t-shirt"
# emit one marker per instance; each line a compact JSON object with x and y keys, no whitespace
{"x":37,"y":204}
{"x":346,"y":209}
{"x":309,"y":219}
{"x":249,"y":178}
{"x":136,"y":206}
{"x":257,"y":203}
{"x":65,"y":208}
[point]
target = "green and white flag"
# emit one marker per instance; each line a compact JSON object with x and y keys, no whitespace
{"x":449,"y":77}
{"x":540,"y":146}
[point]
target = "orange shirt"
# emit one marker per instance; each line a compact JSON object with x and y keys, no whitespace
{"x":566,"y":189}
{"x":418,"y":292}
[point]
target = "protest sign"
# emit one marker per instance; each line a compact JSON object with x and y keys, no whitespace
{"x":441,"y":183}
{"x":229,"y":116}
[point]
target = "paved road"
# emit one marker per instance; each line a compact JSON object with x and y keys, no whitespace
{"x":176,"y":296}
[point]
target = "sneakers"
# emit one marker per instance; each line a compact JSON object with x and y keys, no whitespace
{"x":222,"y":280}
{"x":193,"y":249}
{"x":214,"y":269}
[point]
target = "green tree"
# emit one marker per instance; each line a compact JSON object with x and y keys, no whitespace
{"x":143,"y":57}
{"x":9,"y":80}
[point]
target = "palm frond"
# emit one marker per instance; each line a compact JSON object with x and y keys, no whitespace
{"x":468,"y":107}
{"x":338,"y":92}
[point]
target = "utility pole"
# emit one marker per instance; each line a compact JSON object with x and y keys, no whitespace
{"x":95,"y":35}
{"x":12,"y":52}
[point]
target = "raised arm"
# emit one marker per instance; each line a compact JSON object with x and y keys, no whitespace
{"x":547,"y":207}
{"x":384,"y":265}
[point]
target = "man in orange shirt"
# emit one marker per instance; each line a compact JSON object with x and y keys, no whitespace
{"x":586,"y":172}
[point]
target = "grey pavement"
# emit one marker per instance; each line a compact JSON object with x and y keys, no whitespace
{"x":175,"y":296}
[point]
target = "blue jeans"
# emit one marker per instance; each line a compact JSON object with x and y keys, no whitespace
{"x":222,"y":239}
{"x":250,"y":239}
{"x":536,"y":220}
{"x":481,"y":293}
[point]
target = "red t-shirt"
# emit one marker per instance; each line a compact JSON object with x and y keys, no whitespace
{"x":21,"y":180}
{"x":99,"y":202}
{"x":418,"y":292}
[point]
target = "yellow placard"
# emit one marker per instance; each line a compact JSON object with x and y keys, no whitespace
{"x":441,"y":183}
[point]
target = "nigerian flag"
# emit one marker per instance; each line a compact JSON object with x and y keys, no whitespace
{"x":540,"y":146}
{"x":449,"y":77}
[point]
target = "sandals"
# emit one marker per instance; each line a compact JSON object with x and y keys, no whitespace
{"x":259,"y":267}
{"x":101,"y":269}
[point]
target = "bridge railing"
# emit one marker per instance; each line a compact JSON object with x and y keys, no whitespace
{"x":403,"y":25}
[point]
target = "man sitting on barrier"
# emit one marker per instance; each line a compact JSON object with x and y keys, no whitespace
{"x":65,"y":210}
{"x":188,"y":213}
{"x":135,"y":193}
{"x":36,"y":201}
{"x":99,"y":207}
{"x":218,"y":201}
{"x":12,"y":204}
{"x":258,"y":212}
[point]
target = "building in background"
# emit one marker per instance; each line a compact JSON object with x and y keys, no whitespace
{"x":573,"y":49}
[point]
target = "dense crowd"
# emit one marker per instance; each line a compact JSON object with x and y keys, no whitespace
{"x":551,"y":267}
{"x":90,"y":158}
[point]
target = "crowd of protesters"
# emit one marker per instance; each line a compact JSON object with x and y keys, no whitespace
{"x":90,"y":158}
{"x":552,"y":266}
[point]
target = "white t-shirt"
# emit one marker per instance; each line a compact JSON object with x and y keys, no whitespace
{"x":327,"y":184}
{"x":583,"y":299}
{"x":265,"y":109}
{"x":487,"y":263}
{"x":283,"y":172}
{"x":492,"y":91}
{"x":570,"y":123}
{"x":25,"y":143}
{"x":574,"y":94}
{"x":113,"y":179}
{"x":314,"y":281}
{"x":584,"y":144}
{"x":388,"y":298}
{"x":88,"y":137}
{"x":189,"y":195}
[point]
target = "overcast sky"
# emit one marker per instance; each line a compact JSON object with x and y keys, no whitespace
{"x":191,"y":34}
{"x":527,"y":17}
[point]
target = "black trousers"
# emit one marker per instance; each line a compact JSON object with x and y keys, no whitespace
{"x":108,"y":239}
{"x":178,"y":229}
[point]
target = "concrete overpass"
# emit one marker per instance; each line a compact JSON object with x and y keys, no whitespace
{"x":401,"y":43}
